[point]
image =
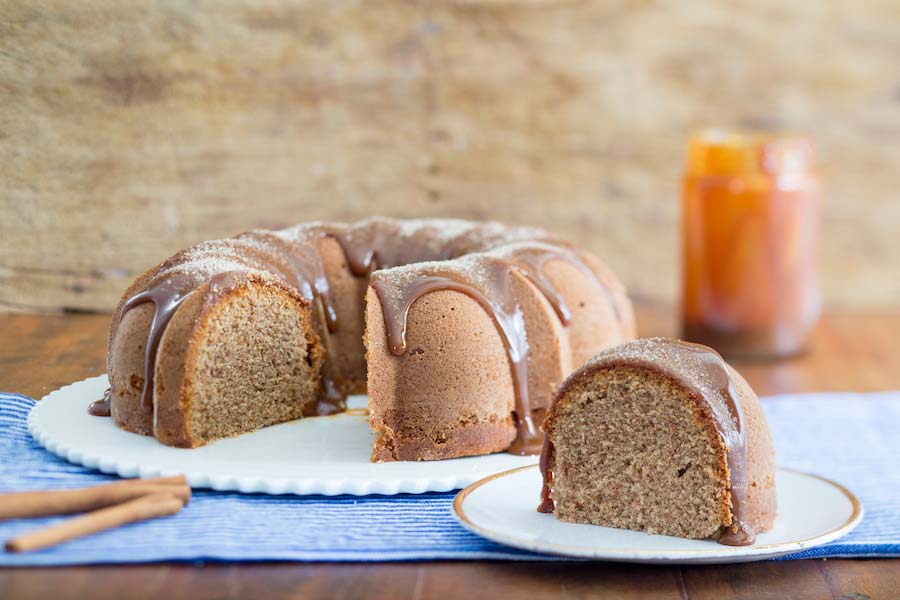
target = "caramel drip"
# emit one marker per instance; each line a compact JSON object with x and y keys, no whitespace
{"x":305,"y":272}
{"x":531,"y":262}
{"x":709,"y":366}
{"x":360,"y":248}
{"x":731,"y":428}
{"x":547,"y":452}
{"x":496,"y":295}
{"x":299,"y":265}
{"x":380,"y":246}
{"x":166,"y":297}
{"x":332,"y":400}
{"x":102,"y":407}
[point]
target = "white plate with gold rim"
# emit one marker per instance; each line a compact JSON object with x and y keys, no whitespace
{"x":812,"y":511}
{"x":322,"y":455}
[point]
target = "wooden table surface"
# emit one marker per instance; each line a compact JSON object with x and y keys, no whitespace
{"x":859,"y":352}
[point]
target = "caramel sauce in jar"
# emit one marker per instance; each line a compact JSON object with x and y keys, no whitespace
{"x":750,"y":234}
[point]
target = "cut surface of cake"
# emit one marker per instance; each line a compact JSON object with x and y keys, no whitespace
{"x":662,"y":436}
{"x":460,"y":332}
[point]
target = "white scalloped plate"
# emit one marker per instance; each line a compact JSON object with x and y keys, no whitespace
{"x":812,"y":511}
{"x":323,"y":455}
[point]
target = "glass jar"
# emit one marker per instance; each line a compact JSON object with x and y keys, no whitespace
{"x":750,"y":231}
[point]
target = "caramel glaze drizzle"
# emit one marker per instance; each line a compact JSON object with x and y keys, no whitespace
{"x":496,"y":295}
{"x":102,"y":407}
{"x":531,"y":261}
{"x":306,"y":273}
{"x":732,"y":430}
{"x":300,"y":265}
{"x":547,"y":456}
{"x":381,"y":248}
{"x":730,"y":427}
{"x":166,"y":297}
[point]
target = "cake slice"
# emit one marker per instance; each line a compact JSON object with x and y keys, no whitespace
{"x":662,"y":436}
{"x":238,"y":356}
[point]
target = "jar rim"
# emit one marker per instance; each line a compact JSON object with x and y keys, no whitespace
{"x":733,"y":152}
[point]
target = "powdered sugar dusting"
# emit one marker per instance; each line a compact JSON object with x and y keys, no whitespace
{"x":494,"y":234}
{"x":304,"y":233}
{"x":435,"y":240}
{"x":668,"y":353}
{"x":472,"y":268}
{"x":442,"y":231}
{"x":509,"y":250}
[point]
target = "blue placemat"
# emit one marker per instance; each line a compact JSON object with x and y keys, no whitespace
{"x":853,"y":438}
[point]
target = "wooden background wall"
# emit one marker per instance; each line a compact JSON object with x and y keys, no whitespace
{"x":129,"y":130}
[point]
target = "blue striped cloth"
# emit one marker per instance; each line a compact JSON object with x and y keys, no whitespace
{"x":852,"y":438}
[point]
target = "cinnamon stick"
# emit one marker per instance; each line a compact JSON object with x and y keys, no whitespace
{"x":140,"y":509}
{"x":173,"y":479}
{"x":19,"y":505}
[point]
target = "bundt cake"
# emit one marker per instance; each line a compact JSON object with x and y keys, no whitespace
{"x":662,"y":436}
{"x":460,"y":332}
